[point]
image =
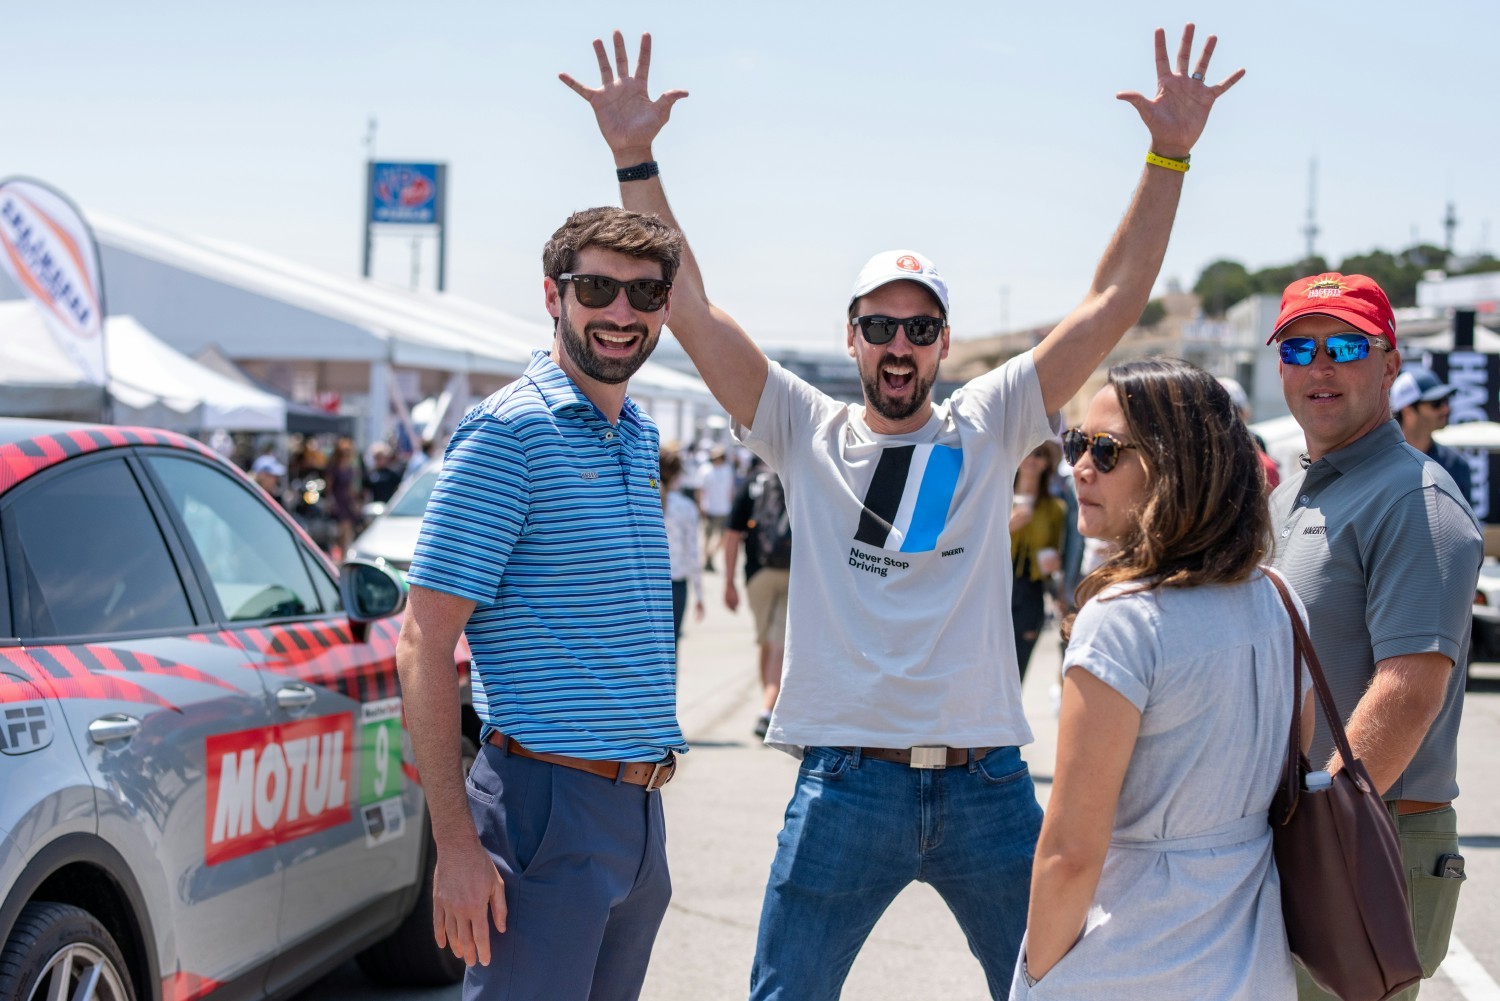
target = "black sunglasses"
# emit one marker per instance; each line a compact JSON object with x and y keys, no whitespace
{"x":920,"y":330}
{"x":597,"y":291}
{"x":1103,"y":448}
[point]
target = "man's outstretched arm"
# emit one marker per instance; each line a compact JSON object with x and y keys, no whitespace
{"x":1122,"y":283}
{"x":728,"y":360}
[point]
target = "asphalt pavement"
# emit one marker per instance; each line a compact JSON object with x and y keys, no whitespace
{"x":725,"y":808}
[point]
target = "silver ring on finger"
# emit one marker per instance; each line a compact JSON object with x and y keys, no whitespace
{"x":1197,"y":76}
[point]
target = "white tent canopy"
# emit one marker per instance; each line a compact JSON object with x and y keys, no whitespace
{"x":254,"y":307}
{"x":196,"y":292}
{"x":149,"y":382}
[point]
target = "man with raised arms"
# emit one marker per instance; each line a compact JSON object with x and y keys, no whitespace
{"x":901,"y":690}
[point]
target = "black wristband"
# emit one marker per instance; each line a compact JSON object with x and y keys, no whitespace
{"x":640,"y":172}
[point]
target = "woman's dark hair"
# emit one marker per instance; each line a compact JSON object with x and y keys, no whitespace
{"x":1205,"y":519}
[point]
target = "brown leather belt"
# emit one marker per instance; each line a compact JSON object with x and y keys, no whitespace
{"x":651,"y":774}
{"x":1406,"y":806}
{"x":924,"y":757}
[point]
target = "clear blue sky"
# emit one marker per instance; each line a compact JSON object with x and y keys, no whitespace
{"x":985,"y":134}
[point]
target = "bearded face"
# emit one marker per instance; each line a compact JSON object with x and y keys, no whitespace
{"x":894,"y":387}
{"x":606,"y":351}
{"x":605,"y":344}
{"x":897,"y":376}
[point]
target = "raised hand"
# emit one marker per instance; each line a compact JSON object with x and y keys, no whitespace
{"x":628,"y":119}
{"x":1179,"y":111}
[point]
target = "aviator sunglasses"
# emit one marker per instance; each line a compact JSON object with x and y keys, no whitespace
{"x":1103,"y":448}
{"x":920,"y":330}
{"x":597,"y":291}
{"x":1348,"y":346}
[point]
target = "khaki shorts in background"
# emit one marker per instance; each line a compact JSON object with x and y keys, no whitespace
{"x":767,"y":593}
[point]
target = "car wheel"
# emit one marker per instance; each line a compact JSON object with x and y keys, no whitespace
{"x":61,"y":951}
{"x":410,"y":956}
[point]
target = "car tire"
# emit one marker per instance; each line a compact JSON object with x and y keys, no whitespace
{"x":409,"y":956}
{"x":59,"y":940}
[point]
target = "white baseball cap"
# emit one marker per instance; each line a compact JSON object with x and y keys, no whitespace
{"x":900,"y":266}
{"x":1416,"y":383}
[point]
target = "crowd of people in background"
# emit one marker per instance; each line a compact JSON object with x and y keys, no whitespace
{"x":324,"y":481}
{"x":723,"y":493}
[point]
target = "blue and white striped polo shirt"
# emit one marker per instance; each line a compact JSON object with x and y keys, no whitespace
{"x":550,"y":518}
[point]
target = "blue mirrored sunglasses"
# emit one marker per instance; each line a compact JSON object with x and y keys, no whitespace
{"x":1350,"y":346}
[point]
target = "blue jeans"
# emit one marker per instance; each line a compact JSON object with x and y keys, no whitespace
{"x":859,"y":830}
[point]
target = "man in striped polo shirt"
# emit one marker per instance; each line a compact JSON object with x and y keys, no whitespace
{"x":543,"y":544}
{"x":900,"y":689}
{"x":1381,"y":547}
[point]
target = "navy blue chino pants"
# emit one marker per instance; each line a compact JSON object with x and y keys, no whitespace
{"x":586,"y":885}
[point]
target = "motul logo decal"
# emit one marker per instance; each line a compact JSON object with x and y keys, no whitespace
{"x":275,"y":784}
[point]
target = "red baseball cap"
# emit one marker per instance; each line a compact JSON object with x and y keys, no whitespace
{"x":1354,"y":298}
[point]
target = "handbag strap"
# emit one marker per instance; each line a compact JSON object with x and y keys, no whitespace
{"x":1304,"y":652}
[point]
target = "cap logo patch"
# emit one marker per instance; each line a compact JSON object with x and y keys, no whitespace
{"x":1325,"y":288}
{"x":908,"y":263}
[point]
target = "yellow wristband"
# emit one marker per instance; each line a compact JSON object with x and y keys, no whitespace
{"x":1181,"y":166}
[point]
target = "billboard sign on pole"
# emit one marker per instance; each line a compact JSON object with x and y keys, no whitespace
{"x":48,"y":251}
{"x":404,"y":194}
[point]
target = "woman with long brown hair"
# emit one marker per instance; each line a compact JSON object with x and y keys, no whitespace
{"x":1153,"y":875}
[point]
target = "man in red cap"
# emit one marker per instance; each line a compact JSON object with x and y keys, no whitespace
{"x":1366,"y":519}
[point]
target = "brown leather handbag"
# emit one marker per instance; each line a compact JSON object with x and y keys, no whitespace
{"x":1343,"y":888}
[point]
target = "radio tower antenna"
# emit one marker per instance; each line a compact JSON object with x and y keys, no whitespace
{"x":1311,"y":229}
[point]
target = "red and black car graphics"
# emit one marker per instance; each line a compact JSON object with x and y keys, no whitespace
{"x":226,"y":730}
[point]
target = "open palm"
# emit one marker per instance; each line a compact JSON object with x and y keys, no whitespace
{"x":628,"y":119}
{"x":1177,"y":114}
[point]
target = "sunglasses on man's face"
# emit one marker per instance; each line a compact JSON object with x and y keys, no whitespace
{"x":920,"y":330}
{"x":597,"y":291}
{"x":1103,"y":448}
{"x":1348,"y":346}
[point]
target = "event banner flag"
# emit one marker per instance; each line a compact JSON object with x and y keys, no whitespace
{"x":47,"y":250}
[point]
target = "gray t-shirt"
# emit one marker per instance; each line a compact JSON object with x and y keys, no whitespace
{"x":1384,"y":553}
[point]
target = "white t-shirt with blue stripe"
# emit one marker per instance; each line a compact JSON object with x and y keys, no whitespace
{"x":550,"y":518}
{"x":898,"y":629}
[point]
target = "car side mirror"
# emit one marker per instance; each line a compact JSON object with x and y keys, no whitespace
{"x":371,"y":589}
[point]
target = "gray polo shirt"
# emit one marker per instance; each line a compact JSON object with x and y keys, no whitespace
{"x":1384,"y":552}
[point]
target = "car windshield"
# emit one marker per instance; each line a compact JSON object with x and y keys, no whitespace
{"x":411,"y":502}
